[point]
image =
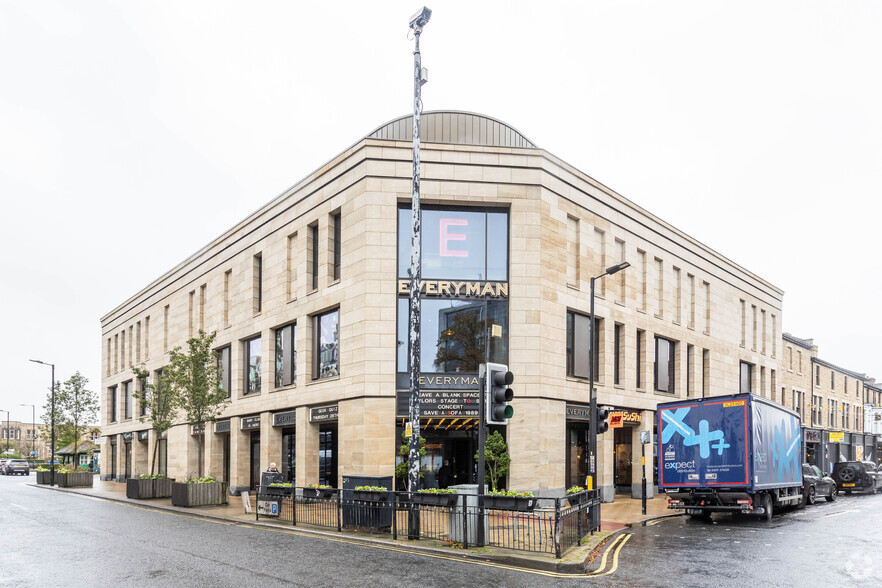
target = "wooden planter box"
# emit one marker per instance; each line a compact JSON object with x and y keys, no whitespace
{"x":149,"y":488}
{"x":139,"y":489}
{"x":318,"y":492}
{"x":45,"y":477}
{"x":370,"y":495}
{"x":162,"y":487}
{"x":518,"y":503}
{"x":432,"y":499}
{"x":205,"y":494}
{"x":75,"y":480}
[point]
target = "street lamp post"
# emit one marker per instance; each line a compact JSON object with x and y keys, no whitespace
{"x":592,"y":437}
{"x":7,"y":430}
{"x":52,"y":425}
{"x":33,"y":430}
{"x":417,"y":22}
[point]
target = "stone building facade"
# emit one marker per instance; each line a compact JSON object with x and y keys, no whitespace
{"x":308,"y":296}
{"x":831,"y":401}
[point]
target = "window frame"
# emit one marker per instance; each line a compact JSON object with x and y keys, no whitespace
{"x":246,"y":391}
{"x":288,"y":358}
{"x":671,"y":367}
{"x":317,"y":365}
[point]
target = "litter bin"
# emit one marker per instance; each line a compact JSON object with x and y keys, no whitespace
{"x":361,"y":514}
{"x":464,"y":516}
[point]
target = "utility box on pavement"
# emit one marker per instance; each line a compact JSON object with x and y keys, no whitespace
{"x":464,"y":517}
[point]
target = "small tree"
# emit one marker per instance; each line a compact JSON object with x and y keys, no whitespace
{"x":160,"y":403}
{"x":61,"y":438}
{"x":75,"y":408}
{"x":496,"y":459}
{"x":402,"y":466}
{"x":195,"y":378}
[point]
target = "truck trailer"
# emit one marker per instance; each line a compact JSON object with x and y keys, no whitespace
{"x":737,"y":453}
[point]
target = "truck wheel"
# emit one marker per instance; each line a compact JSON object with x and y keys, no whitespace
{"x":767,"y":506}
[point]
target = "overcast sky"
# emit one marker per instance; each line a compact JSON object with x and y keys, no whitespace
{"x":133,"y":133}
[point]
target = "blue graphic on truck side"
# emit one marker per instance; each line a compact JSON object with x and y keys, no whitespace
{"x":674,"y":424}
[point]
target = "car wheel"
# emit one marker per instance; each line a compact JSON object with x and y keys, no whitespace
{"x":812,"y":494}
{"x":767,"y":506}
{"x":833,"y":494}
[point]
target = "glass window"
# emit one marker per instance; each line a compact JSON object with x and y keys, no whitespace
{"x":664,"y":365}
{"x":746,"y":374}
{"x":127,"y":399}
{"x":286,"y":356}
{"x":144,"y":385}
{"x":335,"y":221}
{"x":456,"y":244}
{"x":112,"y":402}
{"x":618,"y":354}
{"x":453,"y":334}
{"x":252,"y":365}
{"x":223,"y":365}
{"x":327,"y":345}
{"x":577,"y":345}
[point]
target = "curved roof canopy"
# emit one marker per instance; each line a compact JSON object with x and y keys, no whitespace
{"x":458,"y":128}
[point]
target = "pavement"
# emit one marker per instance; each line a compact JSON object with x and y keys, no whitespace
{"x":625,"y":512}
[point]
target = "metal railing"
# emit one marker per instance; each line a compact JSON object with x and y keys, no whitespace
{"x":546,"y":525}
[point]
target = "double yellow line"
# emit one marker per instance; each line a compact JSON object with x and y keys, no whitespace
{"x":615,"y":547}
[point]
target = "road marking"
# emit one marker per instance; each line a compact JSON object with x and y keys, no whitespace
{"x":615,"y":562}
{"x":19,"y":506}
{"x":842,"y":512}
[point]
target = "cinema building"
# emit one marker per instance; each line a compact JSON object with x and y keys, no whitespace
{"x":308,"y":296}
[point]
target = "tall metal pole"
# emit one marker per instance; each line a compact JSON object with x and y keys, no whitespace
{"x":413,"y":472}
{"x":33,"y":429}
{"x":8,"y":432}
{"x":592,"y":411}
{"x":52,"y":427}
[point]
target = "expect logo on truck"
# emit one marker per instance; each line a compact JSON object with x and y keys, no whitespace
{"x":680,"y":465}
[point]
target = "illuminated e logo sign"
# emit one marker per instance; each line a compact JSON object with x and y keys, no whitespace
{"x":447,"y":236}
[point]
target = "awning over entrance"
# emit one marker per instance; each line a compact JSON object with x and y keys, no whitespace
{"x":446,"y":424}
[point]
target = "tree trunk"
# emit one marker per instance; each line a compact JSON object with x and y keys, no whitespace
{"x":155,"y":453}
{"x":201,"y":449}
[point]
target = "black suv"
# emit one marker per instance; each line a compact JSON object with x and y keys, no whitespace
{"x":857,"y":476}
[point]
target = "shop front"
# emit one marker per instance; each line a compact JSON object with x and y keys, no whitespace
{"x":878,"y":447}
{"x":838,"y":448}
{"x":627,"y":459}
{"x":464,"y":322}
{"x":326,"y":417}
{"x":813,"y":441}
{"x":286,"y":421}
{"x":578,"y":419}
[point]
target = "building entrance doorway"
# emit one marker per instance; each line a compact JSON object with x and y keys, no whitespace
{"x":577,"y":454}
{"x":113,"y":458}
{"x":622,"y":453}
{"x":255,"y":459}
{"x":289,"y":455}
{"x":226,"y":446}
{"x":328,"y":455}
{"x":128,"y":458}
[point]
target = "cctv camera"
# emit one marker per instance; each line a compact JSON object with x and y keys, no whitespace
{"x":419,"y":20}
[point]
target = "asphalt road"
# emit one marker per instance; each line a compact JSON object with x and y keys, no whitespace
{"x":828,"y":544}
{"x":57,"y":539}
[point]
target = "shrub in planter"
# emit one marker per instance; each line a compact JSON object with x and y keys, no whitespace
{"x":520,"y":500}
{"x":277,"y":489}
{"x":318,"y":491}
{"x":149,"y":486}
{"x":370,"y":493}
{"x":73,"y":479}
{"x":576,"y":495}
{"x":199,"y":492}
{"x":435,"y":497}
{"x":44,"y":476}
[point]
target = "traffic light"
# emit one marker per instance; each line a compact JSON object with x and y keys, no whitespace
{"x":498,"y":394}
{"x":602,"y":424}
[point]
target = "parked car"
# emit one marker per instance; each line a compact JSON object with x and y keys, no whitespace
{"x":857,"y":476}
{"x":817,"y":483}
{"x":17,"y":466}
{"x":3,"y":466}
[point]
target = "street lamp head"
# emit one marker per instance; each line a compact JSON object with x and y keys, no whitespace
{"x":617,"y":268}
{"x":420,"y":19}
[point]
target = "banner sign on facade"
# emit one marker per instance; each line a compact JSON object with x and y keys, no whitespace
{"x":812,"y":436}
{"x":578,"y":412}
{"x":455,"y":289}
{"x":615,"y":420}
{"x":143,"y":435}
{"x":222,"y":426}
{"x":433,"y":381}
{"x":320,"y":414}
{"x":837,"y":437}
{"x":449,"y":403}
{"x":626,"y":417}
{"x":285,"y":419}
{"x":250,"y":423}
{"x":197,"y":429}
{"x":127,"y":436}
